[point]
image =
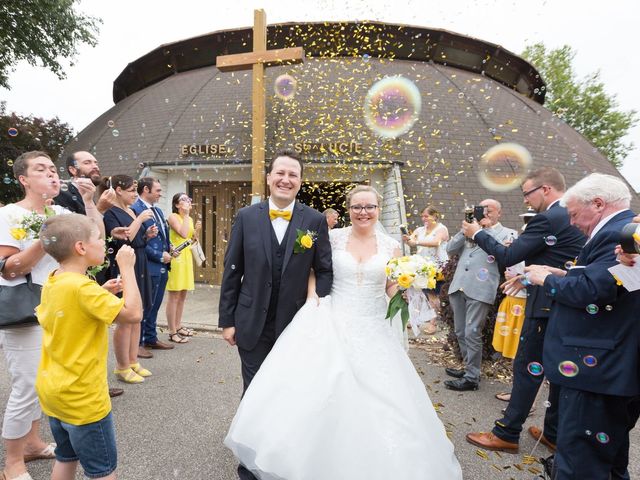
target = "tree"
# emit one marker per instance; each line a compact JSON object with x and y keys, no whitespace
{"x":42,"y":32}
{"x":583,"y":103}
{"x":22,"y":134}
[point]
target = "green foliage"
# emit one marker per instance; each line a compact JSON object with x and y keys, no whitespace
{"x":583,"y":103}
{"x":42,"y":32}
{"x":33,"y":134}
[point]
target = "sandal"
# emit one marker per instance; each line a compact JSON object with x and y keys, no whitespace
{"x":504,"y":396}
{"x":127,"y":375}
{"x":22,"y":476}
{"x":185,"y":332}
{"x":47,"y":453}
{"x":430,"y":328}
{"x":140,"y":370}
{"x":180,"y":339}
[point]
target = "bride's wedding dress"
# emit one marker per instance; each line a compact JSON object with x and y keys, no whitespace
{"x":337,"y":397}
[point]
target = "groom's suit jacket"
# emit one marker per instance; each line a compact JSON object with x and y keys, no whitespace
{"x":247,"y":280}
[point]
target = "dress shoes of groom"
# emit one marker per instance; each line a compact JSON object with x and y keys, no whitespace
{"x":158,"y":345}
{"x":455,"y":372}
{"x":489,"y":441}
{"x":461,"y":385}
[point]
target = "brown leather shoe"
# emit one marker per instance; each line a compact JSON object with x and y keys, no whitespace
{"x":536,"y":433}
{"x":115,"y":392}
{"x":489,"y":441}
{"x":144,"y":353}
{"x":158,"y":346}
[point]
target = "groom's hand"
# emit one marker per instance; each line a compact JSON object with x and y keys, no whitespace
{"x":229,"y":334}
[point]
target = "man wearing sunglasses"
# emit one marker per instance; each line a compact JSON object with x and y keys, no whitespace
{"x":551,"y":240}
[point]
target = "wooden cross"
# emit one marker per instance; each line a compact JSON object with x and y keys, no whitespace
{"x":257,"y":60}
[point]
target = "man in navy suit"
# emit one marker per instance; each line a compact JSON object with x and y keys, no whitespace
{"x":158,"y":261}
{"x":264,"y":282}
{"x":591,"y":348}
{"x":549,"y":239}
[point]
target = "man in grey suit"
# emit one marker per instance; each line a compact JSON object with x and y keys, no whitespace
{"x":472,"y":293}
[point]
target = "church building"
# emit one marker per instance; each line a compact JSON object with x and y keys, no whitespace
{"x":427,"y":116}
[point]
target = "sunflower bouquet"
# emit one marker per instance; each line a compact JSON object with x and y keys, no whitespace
{"x":412,"y":274}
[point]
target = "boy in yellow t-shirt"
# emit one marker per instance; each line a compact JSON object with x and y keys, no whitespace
{"x":75,"y":315}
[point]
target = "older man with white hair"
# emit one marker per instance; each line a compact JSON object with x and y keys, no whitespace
{"x":591,"y":347}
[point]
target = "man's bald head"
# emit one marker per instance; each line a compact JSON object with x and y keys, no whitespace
{"x":492,"y":212}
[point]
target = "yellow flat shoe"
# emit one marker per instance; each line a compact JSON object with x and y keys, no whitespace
{"x":127,"y":375}
{"x":140,"y":370}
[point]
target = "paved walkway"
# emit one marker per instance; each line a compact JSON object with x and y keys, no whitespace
{"x":172,"y":426}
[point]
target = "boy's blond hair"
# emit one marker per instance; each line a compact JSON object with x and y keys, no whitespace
{"x":60,"y":233}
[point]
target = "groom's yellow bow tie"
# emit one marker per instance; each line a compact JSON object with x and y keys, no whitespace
{"x":280,"y":213}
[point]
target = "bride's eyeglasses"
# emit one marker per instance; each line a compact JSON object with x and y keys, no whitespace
{"x":360,"y":208}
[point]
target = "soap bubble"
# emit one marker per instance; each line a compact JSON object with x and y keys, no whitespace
{"x":392,"y":106}
{"x":503,"y":167}
{"x":285,"y":86}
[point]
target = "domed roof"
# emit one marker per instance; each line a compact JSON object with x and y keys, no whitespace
{"x":473,"y":95}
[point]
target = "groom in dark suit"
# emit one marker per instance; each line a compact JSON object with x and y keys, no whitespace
{"x":265,"y":281}
{"x":591,"y":347}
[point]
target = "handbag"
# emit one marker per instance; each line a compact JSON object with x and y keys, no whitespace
{"x":18,"y":303}
{"x":198,"y":254}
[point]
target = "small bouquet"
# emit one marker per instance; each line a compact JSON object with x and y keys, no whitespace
{"x":412,"y":273}
{"x":95,"y":270}
{"x":29,"y":226}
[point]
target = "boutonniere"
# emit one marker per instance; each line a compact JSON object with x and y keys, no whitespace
{"x":304,"y":240}
{"x":28,"y":227}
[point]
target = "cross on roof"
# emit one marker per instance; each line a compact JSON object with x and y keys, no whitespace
{"x":257,"y":60}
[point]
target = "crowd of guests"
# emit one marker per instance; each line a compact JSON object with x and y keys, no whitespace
{"x":564,"y":316}
{"x":86,"y":219}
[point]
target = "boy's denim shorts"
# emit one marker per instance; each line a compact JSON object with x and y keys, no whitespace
{"x":93,"y":444}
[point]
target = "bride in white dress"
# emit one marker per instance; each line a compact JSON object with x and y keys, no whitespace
{"x":337,"y":397}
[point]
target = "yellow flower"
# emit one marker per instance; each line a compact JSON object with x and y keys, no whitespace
{"x":431,"y":283}
{"x":405,"y":280}
{"x":439,"y":276}
{"x":18,"y":233}
{"x":306,"y":241}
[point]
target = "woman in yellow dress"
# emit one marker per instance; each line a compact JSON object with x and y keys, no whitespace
{"x":181,"y":279}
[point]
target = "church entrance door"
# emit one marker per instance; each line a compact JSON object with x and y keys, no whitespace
{"x":215,"y":204}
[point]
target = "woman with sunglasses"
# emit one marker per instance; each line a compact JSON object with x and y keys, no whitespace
{"x":181,"y":230}
{"x":120,"y":217}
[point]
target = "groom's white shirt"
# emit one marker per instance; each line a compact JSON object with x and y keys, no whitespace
{"x":280,"y":224}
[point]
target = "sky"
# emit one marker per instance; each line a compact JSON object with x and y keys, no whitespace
{"x":603,"y":35}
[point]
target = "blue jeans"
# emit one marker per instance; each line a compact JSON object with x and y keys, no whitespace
{"x":148,"y":329}
{"x":93,"y":444}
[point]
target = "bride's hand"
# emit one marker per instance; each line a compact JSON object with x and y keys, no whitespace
{"x":314,"y":297}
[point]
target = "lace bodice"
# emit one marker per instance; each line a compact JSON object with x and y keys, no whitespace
{"x":360,"y":286}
